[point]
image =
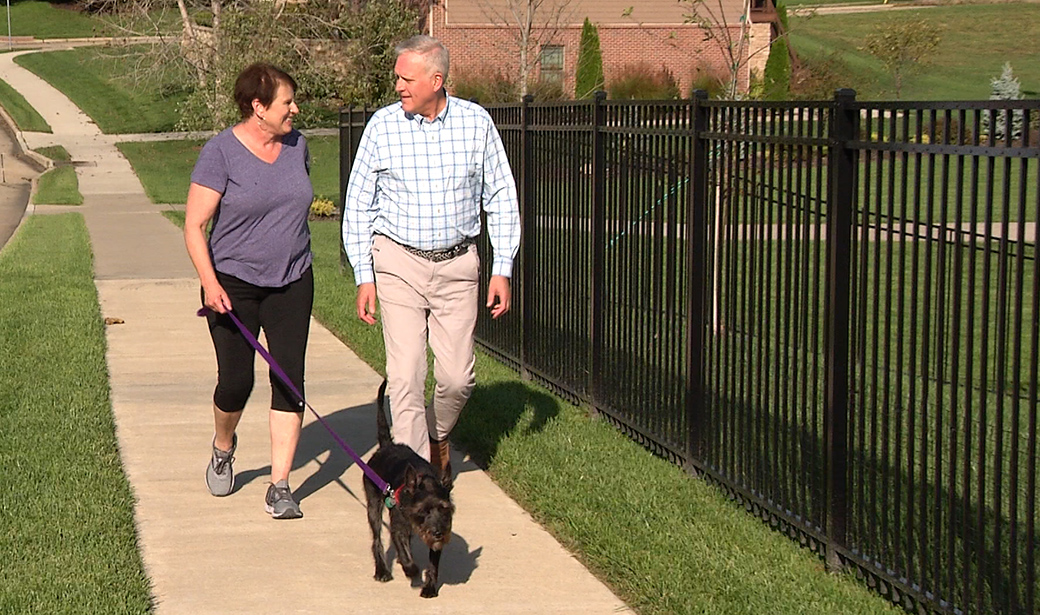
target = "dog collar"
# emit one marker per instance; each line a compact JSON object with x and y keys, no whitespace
{"x":397,"y":495}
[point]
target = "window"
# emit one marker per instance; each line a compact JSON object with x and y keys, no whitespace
{"x":551,"y":60}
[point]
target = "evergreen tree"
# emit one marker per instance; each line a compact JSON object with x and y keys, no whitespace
{"x":589,"y":73}
{"x":1005,"y":87}
{"x":777,"y":77}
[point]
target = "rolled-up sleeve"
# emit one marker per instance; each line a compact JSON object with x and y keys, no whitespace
{"x":359,"y":206}
{"x":500,"y":204}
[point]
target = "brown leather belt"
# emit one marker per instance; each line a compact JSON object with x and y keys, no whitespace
{"x":439,"y":256}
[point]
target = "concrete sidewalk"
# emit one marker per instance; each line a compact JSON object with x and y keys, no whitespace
{"x":225,"y":555}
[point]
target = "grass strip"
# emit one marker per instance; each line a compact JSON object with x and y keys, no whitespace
{"x":24,"y":115}
{"x":68,"y":543}
{"x":97,"y":84}
{"x":60,"y":185}
{"x":56,"y":153}
{"x":163,"y":167}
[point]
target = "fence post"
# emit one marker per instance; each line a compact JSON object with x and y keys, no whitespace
{"x":841,"y":189}
{"x":599,"y":242}
{"x":528,"y":217}
{"x":696,"y":247}
{"x":346,"y":161}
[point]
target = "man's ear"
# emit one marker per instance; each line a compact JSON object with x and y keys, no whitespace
{"x":438,"y":81}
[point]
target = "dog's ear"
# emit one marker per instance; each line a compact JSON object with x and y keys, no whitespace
{"x":411,"y":479}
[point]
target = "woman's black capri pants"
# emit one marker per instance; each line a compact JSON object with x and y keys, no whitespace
{"x":284,"y":313}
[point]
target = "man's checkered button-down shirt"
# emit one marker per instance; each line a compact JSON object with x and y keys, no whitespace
{"x":423,"y":183}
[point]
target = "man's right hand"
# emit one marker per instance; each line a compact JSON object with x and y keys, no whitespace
{"x":366,"y":302}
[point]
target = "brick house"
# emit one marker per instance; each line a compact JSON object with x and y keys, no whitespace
{"x":482,"y":36}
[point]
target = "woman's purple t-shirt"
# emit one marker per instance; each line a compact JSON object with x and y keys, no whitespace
{"x":260,"y":233}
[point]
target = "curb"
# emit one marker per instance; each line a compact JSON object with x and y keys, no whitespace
{"x":41,"y":162}
{"x":35,"y":160}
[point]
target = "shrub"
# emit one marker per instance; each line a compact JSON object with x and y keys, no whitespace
{"x":589,"y":75}
{"x":948,"y":133}
{"x":322,"y":207}
{"x":641,"y":82}
{"x":818,"y":78}
{"x":708,"y":80}
{"x":777,"y":77}
{"x":546,"y":90}
{"x":485,"y":86}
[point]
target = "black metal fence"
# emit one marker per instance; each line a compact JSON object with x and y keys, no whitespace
{"x":830,"y":309}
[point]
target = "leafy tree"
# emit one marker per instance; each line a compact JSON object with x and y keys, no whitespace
{"x":903,"y":47}
{"x":336,"y":50}
{"x":373,"y":30}
{"x":589,"y":76}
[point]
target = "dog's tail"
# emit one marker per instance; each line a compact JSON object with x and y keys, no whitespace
{"x":383,"y":428}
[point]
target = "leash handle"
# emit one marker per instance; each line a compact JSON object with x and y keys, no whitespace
{"x":280,"y":373}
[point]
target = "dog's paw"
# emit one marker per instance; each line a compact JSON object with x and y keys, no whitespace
{"x":383,"y":576}
{"x":429,"y":591}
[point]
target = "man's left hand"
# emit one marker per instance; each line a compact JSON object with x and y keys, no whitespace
{"x":498,"y":295}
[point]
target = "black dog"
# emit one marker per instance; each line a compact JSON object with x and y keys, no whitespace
{"x":423,"y":505}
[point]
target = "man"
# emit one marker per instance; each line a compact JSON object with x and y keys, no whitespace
{"x":424,"y":168}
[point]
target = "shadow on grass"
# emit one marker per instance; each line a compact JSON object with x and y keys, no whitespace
{"x":497,"y":410}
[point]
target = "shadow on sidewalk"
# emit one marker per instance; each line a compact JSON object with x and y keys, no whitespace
{"x":355,"y":426}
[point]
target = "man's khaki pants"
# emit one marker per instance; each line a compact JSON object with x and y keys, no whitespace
{"x":421,"y":300}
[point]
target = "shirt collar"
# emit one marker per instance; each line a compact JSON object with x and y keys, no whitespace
{"x":420,"y":119}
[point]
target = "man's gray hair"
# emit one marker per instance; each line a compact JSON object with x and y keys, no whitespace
{"x":431,"y":49}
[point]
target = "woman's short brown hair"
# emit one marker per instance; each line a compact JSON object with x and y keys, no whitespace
{"x":259,"y":81}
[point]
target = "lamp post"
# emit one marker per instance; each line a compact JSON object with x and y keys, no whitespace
{"x":10,"y":39}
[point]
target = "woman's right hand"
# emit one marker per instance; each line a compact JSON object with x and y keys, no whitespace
{"x":216,"y":298}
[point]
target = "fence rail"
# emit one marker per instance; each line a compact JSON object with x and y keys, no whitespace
{"x":830,"y":309}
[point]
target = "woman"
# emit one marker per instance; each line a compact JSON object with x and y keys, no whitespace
{"x":252,"y":182}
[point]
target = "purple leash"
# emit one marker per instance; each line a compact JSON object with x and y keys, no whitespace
{"x":277,"y":369}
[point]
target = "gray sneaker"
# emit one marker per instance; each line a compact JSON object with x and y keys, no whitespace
{"x":279,"y":502}
{"x":220,"y":478}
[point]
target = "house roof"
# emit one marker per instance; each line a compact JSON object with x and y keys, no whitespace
{"x":600,"y":12}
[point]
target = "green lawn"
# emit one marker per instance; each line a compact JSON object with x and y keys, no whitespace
{"x":24,"y":116}
{"x":50,"y":20}
{"x":165,"y":166}
{"x":68,"y":543}
{"x":58,"y":186}
{"x":977,"y":40}
{"x":96,"y":83}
